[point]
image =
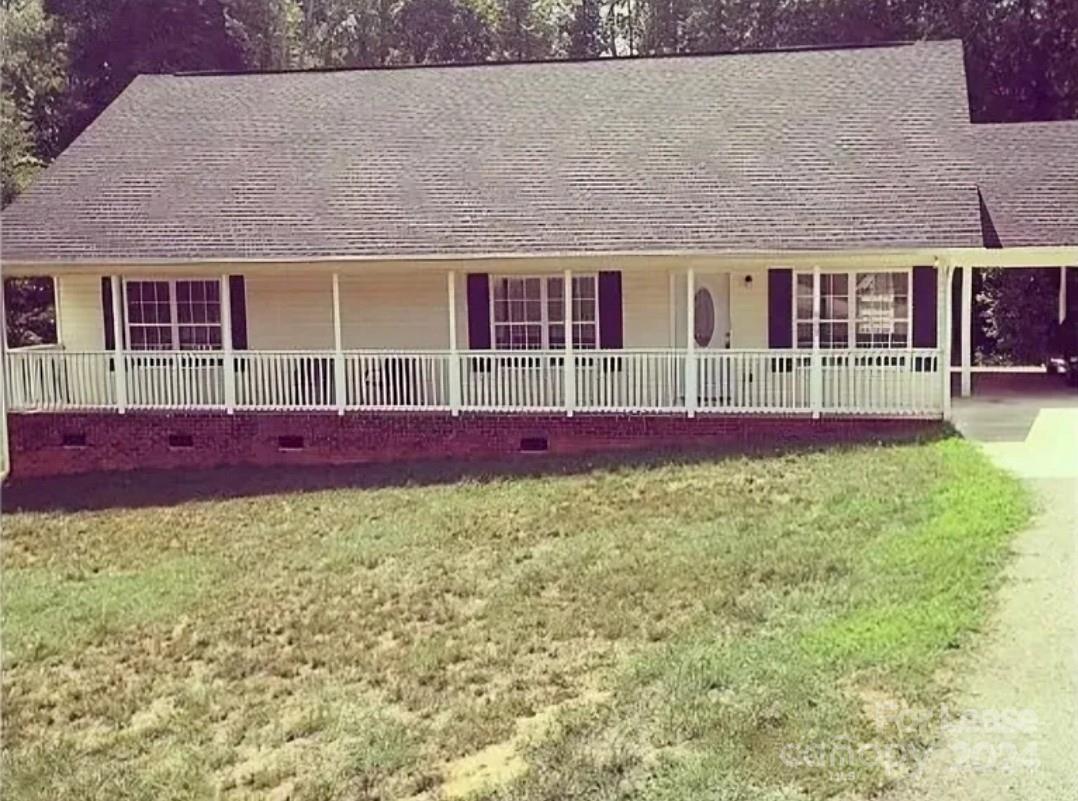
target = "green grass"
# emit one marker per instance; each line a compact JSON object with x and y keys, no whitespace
{"x":660,"y":630}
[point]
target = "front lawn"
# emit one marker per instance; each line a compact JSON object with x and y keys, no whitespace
{"x":660,"y":630}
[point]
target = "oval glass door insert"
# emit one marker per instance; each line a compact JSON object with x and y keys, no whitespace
{"x":704,"y":328}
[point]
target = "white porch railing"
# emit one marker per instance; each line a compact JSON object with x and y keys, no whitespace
{"x":284,"y":379}
{"x":882,"y":382}
{"x":850,"y":382}
{"x":390,"y":380}
{"x":372,"y":380}
{"x":755,"y":381}
{"x":512,"y":380}
{"x":634,"y":380}
{"x":38,"y":379}
{"x":174,"y":379}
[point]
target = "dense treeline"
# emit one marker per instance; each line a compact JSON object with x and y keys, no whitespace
{"x":65,"y":60}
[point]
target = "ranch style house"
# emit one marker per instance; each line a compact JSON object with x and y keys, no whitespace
{"x":361,"y":265}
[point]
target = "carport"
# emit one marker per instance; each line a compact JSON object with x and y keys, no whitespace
{"x":1028,"y":185}
{"x":970,"y":377}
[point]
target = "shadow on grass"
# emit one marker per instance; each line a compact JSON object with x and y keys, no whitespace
{"x":156,"y":487}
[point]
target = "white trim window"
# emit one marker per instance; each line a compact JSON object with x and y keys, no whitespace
{"x":527,"y":312}
{"x":882,"y":310}
{"x":834,"y":310}
{"x":875,"y":305}
{"x":173,"y":314}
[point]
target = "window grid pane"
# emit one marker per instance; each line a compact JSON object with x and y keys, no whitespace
{"x":149,"y":315}
{"x":518,"y":313}
{"x":198,"y":312}
{"x":521,"y":318}
{"x":882,"y":310}
{"x":879,"y":311}
{"x":197,"y":324}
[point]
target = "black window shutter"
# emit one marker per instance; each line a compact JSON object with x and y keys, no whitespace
{"x":610,"y":315}
{"x":780,"y":305}
{"x":106,"y":313}
{"x":237,"y":304}
{"x":478,"y":311}
{"x":924,"y":307}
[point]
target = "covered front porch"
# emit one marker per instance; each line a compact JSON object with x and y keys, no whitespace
{"x":842,"y":336}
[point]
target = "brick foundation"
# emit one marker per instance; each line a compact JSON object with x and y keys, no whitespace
{"x":109,"y":441}
{"x":152,"y":439}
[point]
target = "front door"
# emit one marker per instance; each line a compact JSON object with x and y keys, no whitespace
{"x":711,"y":331}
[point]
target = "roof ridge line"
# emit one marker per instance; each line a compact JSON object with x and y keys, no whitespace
{"x":807,"y":48}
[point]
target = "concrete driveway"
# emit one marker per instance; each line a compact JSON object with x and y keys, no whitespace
{"x":1017,"y":737}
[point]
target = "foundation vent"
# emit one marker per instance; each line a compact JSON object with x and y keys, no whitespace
{"x":534,"y":445}
{"x":181,"y":441}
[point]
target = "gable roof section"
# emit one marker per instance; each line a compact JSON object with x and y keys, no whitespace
{"x":831,"y":149}
{"x":1029,"y":181}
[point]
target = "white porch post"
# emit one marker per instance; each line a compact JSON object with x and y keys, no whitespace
{"x":691,"y":398}
{"x":673,"y":310}
{"x":569,"y":377}
{"x":816,"y":368}
{"x":120,"y":369}
{"x":454,"y":354}
{"x":967,"y":330}
{"x":944,"y":272}
{"x":338,"y":347}
{"x":5,"y":454}
{"x":1062,"y":294}
{"x":671,"y":367}
{"x":228,"y":361}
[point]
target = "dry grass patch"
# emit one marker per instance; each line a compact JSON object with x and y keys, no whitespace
{"x":665,"y":622}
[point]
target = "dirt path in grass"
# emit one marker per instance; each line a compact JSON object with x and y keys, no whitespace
{"x":1016,"y":736}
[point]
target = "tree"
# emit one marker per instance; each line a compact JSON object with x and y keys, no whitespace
{"x":522,"y":33}
{"x":18,"y":164}
{"x":30,"y":311}
{"x":665,"y":26}
{"x":584,"y":30}
{"x":349,"y":33}
{"x":269,"y":32}
{"x":1019,"y":309}
{"x":112,"y":41}
{"x":442,"y":32}
{"x":32,"y":77}
{"x":622,"y":27}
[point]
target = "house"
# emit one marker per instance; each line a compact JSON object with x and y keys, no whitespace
{"x":475,"y":260}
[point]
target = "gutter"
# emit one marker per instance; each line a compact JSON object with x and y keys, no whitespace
{"x":1026,"y":256}
{"x":481,"y":262}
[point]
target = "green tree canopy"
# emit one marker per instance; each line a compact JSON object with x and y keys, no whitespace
{"x":441,"y":32}
{"x":584,"y":30}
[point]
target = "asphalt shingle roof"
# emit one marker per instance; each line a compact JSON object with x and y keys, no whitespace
{"x":1029,"y":181}
{"x":826,"y":149}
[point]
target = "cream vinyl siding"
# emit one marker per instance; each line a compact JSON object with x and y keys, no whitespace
{"x":748,"y":309}
{"x":79,"y":313}
{"x":290,"y":312}
{"x":645,"y":309}
{"x":399,"y":310}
